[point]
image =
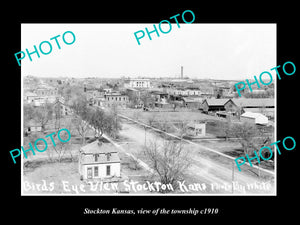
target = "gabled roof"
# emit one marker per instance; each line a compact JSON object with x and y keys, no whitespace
{"x":191,"y":99}
{"x":254,"y":102}
{"x":216,"y":101}
{"x":95,"y":148}
{"x":253,"y":115}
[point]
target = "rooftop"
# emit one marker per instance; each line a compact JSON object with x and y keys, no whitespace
{"x":94,"y":148}
{"x":252,"y":115}
{"x":254,"y":102}
{"x":217,"y":101}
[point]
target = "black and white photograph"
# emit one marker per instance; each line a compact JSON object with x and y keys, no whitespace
{"x":157,"y":112}
{"x":141,"y":116}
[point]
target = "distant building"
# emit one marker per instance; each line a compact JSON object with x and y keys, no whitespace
{"x":59,"y":107}
{"x":117,"y":99}
{"x":99,"y":160}
{"x":265,"y":106}
{"x":99,"y":101}
{"x":159,"y":96}
{"x":197,"y":129}
{"x":32,"y":126}
{"x":46,"y":91}
{"x":137,"y":83}
{"x":183,"y":91}
{"x":256,"y":118}
{"x":215,"y":105}
{"x":41,"y":95}
{"x":29,"y":97}
{"x":192,"y":103}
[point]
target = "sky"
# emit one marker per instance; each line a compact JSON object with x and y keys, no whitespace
{"x":215,"y":51}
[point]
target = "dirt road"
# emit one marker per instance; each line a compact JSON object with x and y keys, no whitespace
{"x":202,"y":169}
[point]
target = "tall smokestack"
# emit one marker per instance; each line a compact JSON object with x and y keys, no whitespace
{"x":181,"y":72}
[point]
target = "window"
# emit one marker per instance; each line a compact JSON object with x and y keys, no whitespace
{"x":96,"y":157}
{"x":89,"y":172}
{"x":96,"y":172}
{"x":107,"y":170}
{"x":108,"y":155}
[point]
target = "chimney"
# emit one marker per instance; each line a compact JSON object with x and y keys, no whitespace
{"x":181,"y":72}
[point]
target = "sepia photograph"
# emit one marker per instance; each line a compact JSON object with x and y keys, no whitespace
{"x":131,"y":109}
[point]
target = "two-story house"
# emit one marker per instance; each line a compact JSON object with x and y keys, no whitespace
{"x":99,"y":160}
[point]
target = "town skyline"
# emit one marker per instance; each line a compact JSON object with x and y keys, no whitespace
{"x":206,"y":51}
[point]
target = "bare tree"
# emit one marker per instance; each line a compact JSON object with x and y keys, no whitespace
{"x":79,"y":104}
{"x":151,"y":118}
{"x":28,"y":111}
{"x":81,"y":126}
{"x":62,"y":148}
{"x":104,"y":122}
{"x":136,"y":115}
{"x":113,"y":125}
{"x":169,"y":160}
{"x":247,"y":136}
{"x":226,"y":127}
{"x":43,"y":114}
{"x":115,"y":122}
{"x":147,"y":99}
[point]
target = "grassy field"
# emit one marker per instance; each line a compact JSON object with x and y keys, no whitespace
{"x":144,"y":116}
{"x":213,"y":124}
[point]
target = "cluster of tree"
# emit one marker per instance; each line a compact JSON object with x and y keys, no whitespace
{"x":266,"y":94}
{"x":102,"y":121}
{"x":141,"y":97}
{"x":248,"y":135}
{"x":41,"y":115}
{"x":68,"y":92}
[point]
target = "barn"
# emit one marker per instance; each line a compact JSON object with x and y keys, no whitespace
{"x":216,"y":105}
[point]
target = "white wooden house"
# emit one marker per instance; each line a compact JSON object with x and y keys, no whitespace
{"x":197,"y":129}
{"x":32,"y":126}
{"x":99,"y":160}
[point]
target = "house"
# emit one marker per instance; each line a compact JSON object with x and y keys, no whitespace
{"x":163,"y":104}
{"x":99,"y":101}
{"x":117,"y":99}
{"x":184,"y":91}
{"x":192,"y":103}
{"x":159,"y":96}
{"x":59,"y":107}
{"x":99,"y":160}
{"x":197,"y":129}
{"x":29,"y":97}
{"x":45,"y":90}
{"x":215,"y":105}
{"x":32,"y":126}
{"x":256,"y":118}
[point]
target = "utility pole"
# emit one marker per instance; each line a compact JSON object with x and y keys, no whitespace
{"x":145,"y":135}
